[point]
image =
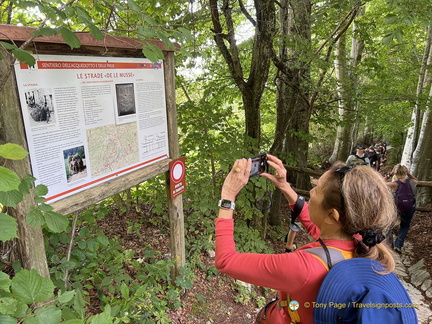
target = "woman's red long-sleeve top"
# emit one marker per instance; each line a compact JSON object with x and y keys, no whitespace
{"x":298,"y":274}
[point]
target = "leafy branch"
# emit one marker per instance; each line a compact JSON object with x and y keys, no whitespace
{"x":24,"y":56}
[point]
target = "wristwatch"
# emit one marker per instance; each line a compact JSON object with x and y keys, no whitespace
{"x":226,"y":204}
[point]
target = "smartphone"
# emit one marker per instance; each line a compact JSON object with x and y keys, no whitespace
{"x":259,"y":165}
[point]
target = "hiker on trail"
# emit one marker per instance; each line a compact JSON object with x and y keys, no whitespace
{"x":382,"y":147}
{"x":349,"y":210}
{"x":359,"y":157}
{"x":374,"y":158}
{"x":403,"y":185}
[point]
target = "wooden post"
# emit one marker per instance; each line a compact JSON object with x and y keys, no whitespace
{"x":31,"y":242}
{"x":175,"y":206}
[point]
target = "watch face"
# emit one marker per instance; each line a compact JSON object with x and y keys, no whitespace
{"x":225,"y":203}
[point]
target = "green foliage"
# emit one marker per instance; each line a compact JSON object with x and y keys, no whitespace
{"x":249,"y":240}
{"x":21,"y":55}
{"x":12,"y":197}
{"x":136,"y":288}
{"x":9,"y":227}
{"x":246,"y":294}
{"x":211,"y":127}
{"x":12,"y":151}
{"x":121,"y":18}
{"x":44,"y":217}
{"x":40,"y":290}
{"x":211,"y":135}
{"x":9,"y":180}
{"x":13,"y":191}
{"x":27,"y":287}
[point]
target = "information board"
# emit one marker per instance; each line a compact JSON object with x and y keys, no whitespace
{"x":90,"y":119}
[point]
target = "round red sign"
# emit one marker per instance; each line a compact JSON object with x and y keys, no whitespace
{"x":178,"y":170}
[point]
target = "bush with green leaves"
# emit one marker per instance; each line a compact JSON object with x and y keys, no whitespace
{"x":96,"y":263}
{"x":31,"y":299}
{"x":28,"y":297}
{"x":137,"y":288}
{"x":12,"y":192}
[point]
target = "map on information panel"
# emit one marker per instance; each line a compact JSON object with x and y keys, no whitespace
{"x":90,"y":119}
{"x":112,"y":147}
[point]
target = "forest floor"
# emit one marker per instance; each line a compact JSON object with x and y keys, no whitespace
{"x":215,"y":297}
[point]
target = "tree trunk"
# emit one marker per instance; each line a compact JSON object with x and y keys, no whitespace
{"x":31,"y":242}
{"x":423,"y":82}
{"x":421,"y":165}
{"x":283,"y":107}
{"x":253,"y":86}
{"x":292,"y":105}
{"x":345,"y":73}
{"x":343,"y":131}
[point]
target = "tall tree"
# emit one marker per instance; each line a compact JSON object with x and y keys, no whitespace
{"x":345,"y":67}
{"x":417,"y":154}
{"x":293,"y":88}
{"x":422,"y":157}
{"x":252,"y":82}
{"x":297,"y":91}
{"x":424,"y":81}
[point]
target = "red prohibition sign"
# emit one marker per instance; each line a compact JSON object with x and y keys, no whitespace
{"x":177,"y":171}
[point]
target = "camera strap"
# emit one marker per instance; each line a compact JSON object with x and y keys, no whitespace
{"x":298,"y":207}
{"x":267,"y":195}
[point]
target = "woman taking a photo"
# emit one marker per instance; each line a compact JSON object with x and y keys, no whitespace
{"x":348,"y":211}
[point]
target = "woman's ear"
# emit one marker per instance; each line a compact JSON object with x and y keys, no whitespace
{"x":332,"y":216}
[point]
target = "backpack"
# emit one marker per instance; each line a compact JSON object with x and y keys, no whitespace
{"x":405,"y":197}
{"x":372,"y":156}
{"x":359,"y":160}
{"x":354,"y":292}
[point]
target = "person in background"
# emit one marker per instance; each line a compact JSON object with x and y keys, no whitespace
{"x":359,"y":157}
{"x":402,"y":178}
{"x":349,"y":209}
{"x":373,"y":157}
{"x":382,"y":147}
{"x":379,"y":156}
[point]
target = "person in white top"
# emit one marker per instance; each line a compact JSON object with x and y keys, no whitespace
{"x":359,"y":157}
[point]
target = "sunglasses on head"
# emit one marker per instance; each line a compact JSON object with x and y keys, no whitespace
{"x":342,"y":171}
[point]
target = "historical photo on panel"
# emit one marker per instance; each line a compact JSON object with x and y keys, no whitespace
{"x":40,"y":106}
{"x":125,"y":99}
{"x":75,"y":163}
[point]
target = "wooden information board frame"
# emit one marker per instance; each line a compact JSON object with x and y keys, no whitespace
{"x":112,"y":46}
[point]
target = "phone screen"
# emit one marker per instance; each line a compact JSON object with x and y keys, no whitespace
{"x":259,"y":165}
